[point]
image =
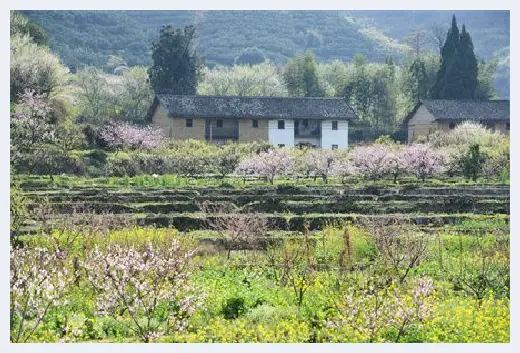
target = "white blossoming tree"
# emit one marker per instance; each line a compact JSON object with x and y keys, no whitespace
{"x":147,"y":283}
{"x":38,"y":282}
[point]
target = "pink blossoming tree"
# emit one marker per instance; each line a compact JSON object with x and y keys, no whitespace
{"x":372,"y":162}
{"x":121,"y":134}
{"x":275,"y":162}
{"x":343,"y":169}
{"x":320,"y":163}
{"x":423,"y":160}
{"x":31,"y":123}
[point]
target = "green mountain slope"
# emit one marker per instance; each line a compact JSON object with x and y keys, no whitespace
{"x":88,"y":37}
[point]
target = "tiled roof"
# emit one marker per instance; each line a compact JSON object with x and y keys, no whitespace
{"x":255,"y":107}
{"x":444,"y":109}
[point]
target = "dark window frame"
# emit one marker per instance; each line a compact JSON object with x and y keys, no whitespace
{"x":508,"y":126}
{"x":255,"y":123}
{"x":281,"y":124}
{"x":220,"y":123}
{"x":335,"y":147}
{"x":452,"y":125}
{"x":335,"y":125}
{"x":189,"y":122}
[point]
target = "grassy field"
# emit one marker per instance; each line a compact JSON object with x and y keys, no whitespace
{"x":378,"y":262}
{"x":258,"y":295}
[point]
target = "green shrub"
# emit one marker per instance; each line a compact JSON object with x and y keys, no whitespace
{"x":233,"y":308}
{"x":472,"y":162}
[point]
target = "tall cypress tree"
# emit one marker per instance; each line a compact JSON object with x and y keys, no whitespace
{"x":469,"y":64}
{"x":447,"y":54}
{"x":457,"y":76}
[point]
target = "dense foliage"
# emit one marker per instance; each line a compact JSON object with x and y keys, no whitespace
{"x":176,"y":65}
{"x":100,"y":95}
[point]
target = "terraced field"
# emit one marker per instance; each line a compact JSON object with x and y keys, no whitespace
{"x":285,"y":207}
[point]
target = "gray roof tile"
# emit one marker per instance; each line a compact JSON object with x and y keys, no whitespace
{"x":444,"y":109}
{"x":256,"y":107}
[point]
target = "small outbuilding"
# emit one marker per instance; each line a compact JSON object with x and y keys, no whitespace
{"x":431,"y":115}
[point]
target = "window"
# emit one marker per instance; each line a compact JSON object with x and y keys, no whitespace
{"x":255,"y":123}
{"x":334,"y":147}
{"x":281,"y":145}
{"x":507,"y":126}
{"x":334,"y":125}
{"x":305,"y":123}
{"x":281,"y":124}
{"x":219,"y":123}
{"x":189,"y":122}
{"x":452,"y":126}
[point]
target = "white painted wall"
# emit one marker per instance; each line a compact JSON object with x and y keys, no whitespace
{"x":278,"y":136}
{"x":331,"y":137}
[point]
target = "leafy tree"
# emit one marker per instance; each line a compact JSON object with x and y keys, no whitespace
{"x":371,"y":90}
{"x":301,"y":76}
{"x":472,"y":162}
{"x":335,"y":76}
{"x":419,"y":80}
{"x":98,"y":95}
{"x":486,"y":75}
{"x":176,"y":64}
{"x":35,"y":68}
{"x":137,"y":93}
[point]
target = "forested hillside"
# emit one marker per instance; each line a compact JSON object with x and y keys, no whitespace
{"x":86,"y":38}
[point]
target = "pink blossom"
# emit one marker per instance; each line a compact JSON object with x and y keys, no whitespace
{"x":268,"y":164}
{"x":422,"y":160}
{"x":125,"y":135}
{"x":372,"y":162}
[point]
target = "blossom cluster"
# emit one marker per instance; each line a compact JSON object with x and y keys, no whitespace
{"x":374,"y":308}
{"x":125,"y":135}
{"x":371,"y":162}
{"x":268,"y":164}
{"x":38,"y":282}
{"x":138,"y":279}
